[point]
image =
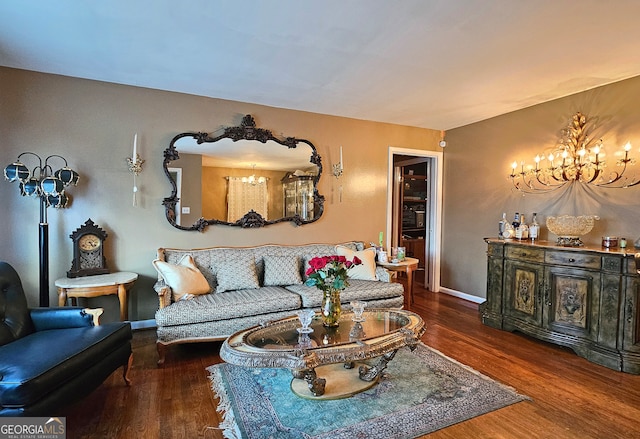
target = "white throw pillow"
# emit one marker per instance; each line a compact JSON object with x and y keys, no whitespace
{"x":184,"y":278}
{"x":235,"y":274}
{"x":281,"y":270}
{"x":364,"y":271}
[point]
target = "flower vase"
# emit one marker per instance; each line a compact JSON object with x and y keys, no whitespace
{"x":331,"y":308}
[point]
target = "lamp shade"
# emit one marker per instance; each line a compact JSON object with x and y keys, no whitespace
{"x":51,"y":186}
{"x":16,"y":171}
{"x":68,"y":176}
{"x":31,"y":187}
{"x":59,"y":201}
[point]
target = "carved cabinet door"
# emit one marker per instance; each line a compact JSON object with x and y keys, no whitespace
{"x":631,"y":315}
{"x":523,"y":291}
{"x":571,"y":301}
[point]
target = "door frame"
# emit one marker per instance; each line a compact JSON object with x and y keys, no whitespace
{"x":435,"y":220}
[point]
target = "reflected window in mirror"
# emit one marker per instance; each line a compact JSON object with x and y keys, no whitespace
{"x":243,"y":177}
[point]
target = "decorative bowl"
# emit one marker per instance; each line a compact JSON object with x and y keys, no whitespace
{"x":569,"y":228}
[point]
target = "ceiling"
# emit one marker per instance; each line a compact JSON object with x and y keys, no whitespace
{"x":436,"y":64}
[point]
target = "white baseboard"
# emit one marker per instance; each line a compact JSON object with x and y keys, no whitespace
{"x":143,"y":324}
{"x":460,"y":294}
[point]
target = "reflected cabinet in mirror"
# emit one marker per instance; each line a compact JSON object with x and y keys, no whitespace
{"x":244,"y":177}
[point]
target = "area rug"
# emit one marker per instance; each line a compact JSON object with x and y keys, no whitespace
{"x":419,"y":392}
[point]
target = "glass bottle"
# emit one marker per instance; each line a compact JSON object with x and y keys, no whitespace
{"x":509,"y":231}
{"x":534,"y":228}
{"x":520,"y":228}
{"x":524,"y":227}
{"x":501,"y":224}
{"x":516,"y":220}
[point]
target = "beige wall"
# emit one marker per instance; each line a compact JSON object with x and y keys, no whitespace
{"x":92,"y":124}
{"x":478,"y":159}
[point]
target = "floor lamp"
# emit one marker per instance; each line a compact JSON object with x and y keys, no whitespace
{"x":48,"y":186}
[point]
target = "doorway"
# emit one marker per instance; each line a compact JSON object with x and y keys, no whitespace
{"x":414,"y":209}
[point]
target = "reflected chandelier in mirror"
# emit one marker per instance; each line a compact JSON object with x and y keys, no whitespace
{"x":244,"y":177}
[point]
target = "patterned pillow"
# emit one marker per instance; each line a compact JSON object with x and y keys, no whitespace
{"x":235,"y":274}
{"x":184,"y":278}
{"x":364,"y":271}
{"x":281,"y":270}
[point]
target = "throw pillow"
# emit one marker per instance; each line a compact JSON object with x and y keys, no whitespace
{"x":364,"y":271}
{"x":281,"y":270}
{"x":184,"y":278}
{"x":235,"y":274}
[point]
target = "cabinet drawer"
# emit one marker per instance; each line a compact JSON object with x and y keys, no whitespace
{"x":525,"y":253}
{"x":495,"y":250}
{"x":631,"y":266}
{"x":612,"y":264}
{"x":573,"y":259}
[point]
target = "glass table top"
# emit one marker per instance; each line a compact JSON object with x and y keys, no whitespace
{"x":283,"y":335}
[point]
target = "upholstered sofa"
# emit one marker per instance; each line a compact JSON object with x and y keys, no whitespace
{"x":208,"y":294}
{"x":50,"y":357}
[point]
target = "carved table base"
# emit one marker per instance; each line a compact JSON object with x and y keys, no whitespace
{"x":337,"y":382}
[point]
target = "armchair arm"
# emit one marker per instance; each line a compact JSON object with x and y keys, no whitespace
{"x":60,"y":318}
{"x":383,"y":274}
{"x":164,"y":293}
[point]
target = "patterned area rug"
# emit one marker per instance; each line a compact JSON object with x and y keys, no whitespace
{"x":419,"y":392}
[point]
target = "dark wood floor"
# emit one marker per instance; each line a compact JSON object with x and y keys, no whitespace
{"x":571,"y":398}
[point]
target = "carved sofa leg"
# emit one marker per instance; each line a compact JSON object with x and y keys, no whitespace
{"x":161,"y":353}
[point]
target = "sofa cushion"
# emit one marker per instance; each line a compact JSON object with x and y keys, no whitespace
{"x":235,"y":274}
{"x":364,"y":271}
{"x":59,"y":355}
{"x":281,"y":270}
{"x":184,"y":278}
{"x":357,"y":290}
{"x":228,"y":305}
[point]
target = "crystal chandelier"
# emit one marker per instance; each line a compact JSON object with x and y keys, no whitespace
{"x":576,"y":159}
{"x":252,"y":179}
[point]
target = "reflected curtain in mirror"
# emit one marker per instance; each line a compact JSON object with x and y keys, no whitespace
{"x":245,"y":196}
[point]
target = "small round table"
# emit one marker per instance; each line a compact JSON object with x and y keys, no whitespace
{"x":407,"y":265}
{"x":100,"y":285}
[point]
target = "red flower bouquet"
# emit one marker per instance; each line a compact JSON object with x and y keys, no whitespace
{"x":329,"y":274}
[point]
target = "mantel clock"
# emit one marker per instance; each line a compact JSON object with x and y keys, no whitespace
{"x":88,"y":251}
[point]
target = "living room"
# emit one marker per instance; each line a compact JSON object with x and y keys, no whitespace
{"x":92,"y":124}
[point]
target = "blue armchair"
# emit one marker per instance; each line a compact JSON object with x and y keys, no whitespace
{"x":50,"y":357}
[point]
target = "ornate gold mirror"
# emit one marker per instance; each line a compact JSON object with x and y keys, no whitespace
{"x":244,"y":177}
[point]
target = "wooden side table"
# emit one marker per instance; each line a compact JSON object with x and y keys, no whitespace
{"x":408,"y":265}
{"x":93,"y":286}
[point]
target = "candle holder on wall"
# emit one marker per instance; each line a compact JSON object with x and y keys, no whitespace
{"x":135,"y":163}
{"x":338,"y":167}
{"x":135,"y":166}
{"x":337,"y":170}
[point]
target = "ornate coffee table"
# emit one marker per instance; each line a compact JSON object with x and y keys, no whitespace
{"x":323,"y":361}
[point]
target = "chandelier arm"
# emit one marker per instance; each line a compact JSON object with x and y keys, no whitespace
{"x":536,"y":190}
{"x":558,"y":183}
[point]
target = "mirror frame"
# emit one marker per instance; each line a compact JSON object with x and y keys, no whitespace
{"x":247,"y":130}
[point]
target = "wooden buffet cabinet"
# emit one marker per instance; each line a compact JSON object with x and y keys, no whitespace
{"x":585,"y":298}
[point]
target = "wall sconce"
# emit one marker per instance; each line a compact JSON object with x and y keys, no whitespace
{"x":48,"y":186}
{"x":338,"y":167}
{"x":576,"y":159}
{"x":135,"y":167}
